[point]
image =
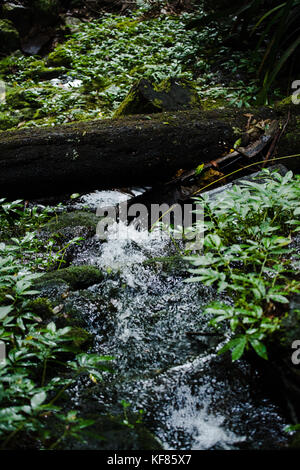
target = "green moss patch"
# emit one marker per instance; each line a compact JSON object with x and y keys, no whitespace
{"x":77,"y":277}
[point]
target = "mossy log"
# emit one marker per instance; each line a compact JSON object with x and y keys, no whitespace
{"x":128,"y":151}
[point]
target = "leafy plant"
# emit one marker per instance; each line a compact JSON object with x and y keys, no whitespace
{"x":247,"y":258}
{"x":282,"y":22}
{"x":30,"y":385}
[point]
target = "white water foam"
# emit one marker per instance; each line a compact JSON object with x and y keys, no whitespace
{"x":205,"y":428}
{"x":127,"y":246}
{"x":99,"y":199}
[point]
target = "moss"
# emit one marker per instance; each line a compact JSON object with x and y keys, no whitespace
{"x":59,"y":57}
{"x":164,"y":85}
{"x":38,"y":70}
{"x":73,"y":219}
{"x":77,"y":277}
{"x":210,"y":103}
{"x":41,"y":307}
{"x":285,"y":102}
{"x":126,"y":24}
{"x":130,"y":105}
{"x":8,"y":120}
{"x":147,"y":97}
{"x":9,"y":36}
{"x":80,"y":337}
{"x":19,"y":97}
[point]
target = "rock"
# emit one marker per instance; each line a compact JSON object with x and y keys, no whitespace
{"x":77,"y":277}
{"x":59,"y":57}
{"x":72,"y":220}
{"x":19,"y":15}
{"x":290,"y":325}
{"x":80,"y":337}
{"x":73,"y":23}
{"x":35,"y":44}
{"x":114,"y":435}
{"x":146,"y":97}
{"x":9,"y":37}
{"x":41,"y":307}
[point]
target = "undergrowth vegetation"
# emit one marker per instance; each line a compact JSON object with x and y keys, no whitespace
{"x":249,"y":257}
{"x":90,"y":74}
{"x":42,"y":360}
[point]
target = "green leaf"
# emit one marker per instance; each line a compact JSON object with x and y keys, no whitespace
{"x":4,"y":311}
{"x":238,"y":351}
{"x":279,"y":298}
{"x":199,"y":169}
{"x":38,"y":399}
{"x":259,"y":348}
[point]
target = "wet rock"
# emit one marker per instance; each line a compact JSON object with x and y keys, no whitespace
{"x":146,"y":97}
{"x":110,"y":433}
{"x":290,"y":325}
{"x":41,"y":307}
{"x":81,"y":338}
{"x":76,"y":277}
{"x":9,"y":37}
{"x":72,"y":220}
{"x":35,"y":44}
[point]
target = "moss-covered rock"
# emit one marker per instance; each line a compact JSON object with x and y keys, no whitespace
{"x":41,"y":307}
{"x":9,"y":37}
{"x":38,"y":70}
{"x":77,"y":277}
{"x":80,"y":337}
{"x":20,"y":15}
{"x":213,"y":103}
{"x":146,"y":97}
{"x":60,"y":57}
{"x":73,"y":219}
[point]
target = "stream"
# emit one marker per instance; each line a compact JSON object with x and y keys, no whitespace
{"x":146,"y":316}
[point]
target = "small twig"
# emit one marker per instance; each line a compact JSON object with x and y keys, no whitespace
{"x":275,"y":141}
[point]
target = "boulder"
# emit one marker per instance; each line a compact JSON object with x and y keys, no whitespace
{"x":19,"y":15}
{"x":146,"y":97}
{"x":9,"y":37}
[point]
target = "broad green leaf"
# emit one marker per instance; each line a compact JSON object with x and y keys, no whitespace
{"x":238,"y":350}
{"x":4,"y":311}
{"x":259,"y":348}
{"x":38,"y":399}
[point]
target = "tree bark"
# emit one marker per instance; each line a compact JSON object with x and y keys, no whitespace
{"x":121,"y":152}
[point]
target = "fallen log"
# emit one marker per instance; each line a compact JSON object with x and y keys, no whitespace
{"x":122,"y":152}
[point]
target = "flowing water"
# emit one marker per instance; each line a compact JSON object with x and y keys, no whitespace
{"x":166,"y":362}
